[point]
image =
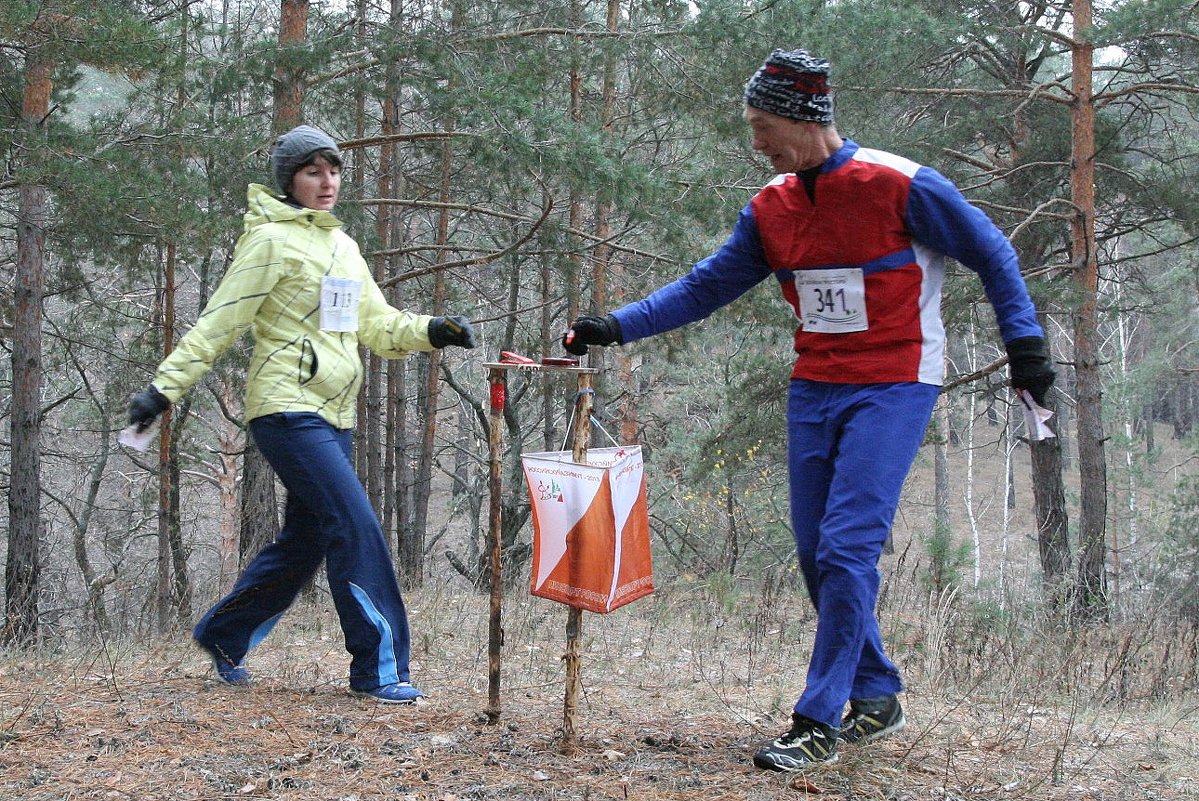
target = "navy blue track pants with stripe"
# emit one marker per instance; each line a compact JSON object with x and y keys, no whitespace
{"x":850,"y":447}
{"x":328,"y":517}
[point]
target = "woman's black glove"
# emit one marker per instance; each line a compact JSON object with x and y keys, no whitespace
{"x":451,"y":331}
{"x":1028,"y":361}
{"x":145,"y":406}
{"x":591,"y":330}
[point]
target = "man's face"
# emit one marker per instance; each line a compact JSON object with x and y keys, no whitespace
{"x":316,"y":185}
{"x":791,"y":146}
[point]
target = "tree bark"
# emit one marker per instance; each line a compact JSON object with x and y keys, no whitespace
{"x":413,"y":561}
{"x":22,"y":578}
{"x":1090,"y":592}
{"x":259,"y":507}
{"x":288,"y":80}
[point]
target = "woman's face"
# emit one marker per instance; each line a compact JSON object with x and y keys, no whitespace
{"x":316,"y":185}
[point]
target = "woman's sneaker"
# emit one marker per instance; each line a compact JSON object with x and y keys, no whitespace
{"x":226,"y":670}
{"x":229,"y":673}
{"x":871,"y":718}
{"x":399,"y":693}
{"x":808,"y":743}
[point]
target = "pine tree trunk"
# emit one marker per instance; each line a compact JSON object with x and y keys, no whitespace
{"x":93,"y":583}
{"x":413,"y":550}
{"x":1053,"y":521}
{"x":288,"y":80}
{"x":384,"y":389}
{"x":168,"y":459}
{"x":22,"y":578}
{"x":259,"y":507}
{"x":1090,"y":596}
{"x":229,"y":439}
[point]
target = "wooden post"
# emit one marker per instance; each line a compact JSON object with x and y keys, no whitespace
{"x":498,"y":380}
{"x":584,"y":402}
{"x":497,"y":377}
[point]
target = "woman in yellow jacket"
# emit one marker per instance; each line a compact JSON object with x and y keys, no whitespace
{"x":300,"y":282}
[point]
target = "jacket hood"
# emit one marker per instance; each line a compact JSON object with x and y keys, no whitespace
{"x":263,"y":206}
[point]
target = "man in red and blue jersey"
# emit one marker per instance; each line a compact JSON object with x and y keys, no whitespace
{"x":857,"y":241}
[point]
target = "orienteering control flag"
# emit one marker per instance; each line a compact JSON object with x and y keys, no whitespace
{"x":590,"y":528}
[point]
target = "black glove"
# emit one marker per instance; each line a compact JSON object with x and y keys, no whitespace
{"x":1028,"y":361}
{"x":145,"y":406}
{"x":591,"y":330}
{"x":451,"y":331}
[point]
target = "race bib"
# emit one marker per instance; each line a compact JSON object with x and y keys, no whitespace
{"x":339,"y":303}
{"x":832,"y":301}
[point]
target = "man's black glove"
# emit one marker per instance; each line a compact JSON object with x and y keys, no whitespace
{"x":451,"y":331}
{"x":145,"y":406}
{"x":591,"y":330}
{"x":1028,"y":361}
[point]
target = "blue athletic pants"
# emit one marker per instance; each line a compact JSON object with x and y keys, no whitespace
{"x":850,"y":447}
{"x":328,"y":517}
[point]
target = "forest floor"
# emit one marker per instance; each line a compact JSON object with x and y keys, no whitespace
{"x":678,"y":690}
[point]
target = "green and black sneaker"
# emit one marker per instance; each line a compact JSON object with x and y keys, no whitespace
{"x":871,"y":718}
{"x":808,"y":743}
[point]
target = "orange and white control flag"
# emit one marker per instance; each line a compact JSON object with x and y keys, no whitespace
{"x":591,"y":546}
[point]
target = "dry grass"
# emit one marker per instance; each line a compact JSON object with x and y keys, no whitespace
{"x":678,"y":689}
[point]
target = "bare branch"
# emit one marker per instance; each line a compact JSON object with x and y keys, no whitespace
{"x":1040,"y":91}
{"x":982,"y":372}
{"x":1144,"y":88}
{"x":574,"y":34}
{"x":484,"y":259}
{"x":1039,"y":211}
{"x":431,"y":204}
{"x":419,"y":136}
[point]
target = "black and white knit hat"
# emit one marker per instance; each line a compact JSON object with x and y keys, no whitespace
{"x":293,"y":148}
{"x":792,"y":84}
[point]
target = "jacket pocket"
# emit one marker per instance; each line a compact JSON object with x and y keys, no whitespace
{"x":308,"y":362}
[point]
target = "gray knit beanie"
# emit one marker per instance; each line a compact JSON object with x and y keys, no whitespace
{"x":792,"y":84}
{"x":293,"y":148}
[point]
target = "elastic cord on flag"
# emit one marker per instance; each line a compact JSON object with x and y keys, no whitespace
{"x":594,"y":421}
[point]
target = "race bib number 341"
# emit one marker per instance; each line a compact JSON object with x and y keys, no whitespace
{"x":832,"y":301}
{"x":339,"y":303}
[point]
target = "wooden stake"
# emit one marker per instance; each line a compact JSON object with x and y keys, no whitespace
{"x":498,"y":380}
{"x":584,"y":402}
{"x":497,"y":377}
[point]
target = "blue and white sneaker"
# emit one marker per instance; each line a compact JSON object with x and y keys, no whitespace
{"x":226,"y":671}
{"x":231,"y":674}
{"x":400,"y":693}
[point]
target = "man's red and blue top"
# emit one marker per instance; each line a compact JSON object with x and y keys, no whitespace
{"x":893,"y":220}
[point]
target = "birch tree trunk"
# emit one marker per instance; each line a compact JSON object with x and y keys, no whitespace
{"x":971,"y":414}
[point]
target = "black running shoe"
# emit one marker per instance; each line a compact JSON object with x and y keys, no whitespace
{"x":871,"y":718}
{"x":807,"y":743}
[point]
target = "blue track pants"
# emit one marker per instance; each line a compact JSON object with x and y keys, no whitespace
{"x":850,"y":447}
{"x":328,"y":517}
